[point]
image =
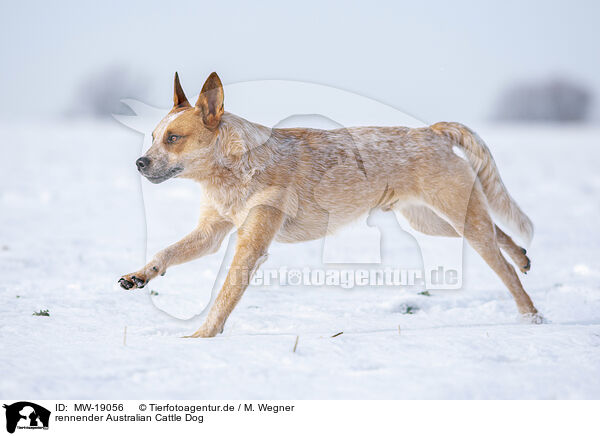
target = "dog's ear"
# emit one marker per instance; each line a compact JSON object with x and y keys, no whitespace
{"x":179,"y":98}
{"x":210,"y":101}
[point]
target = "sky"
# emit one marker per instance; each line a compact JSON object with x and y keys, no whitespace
{"x":435,"y":60}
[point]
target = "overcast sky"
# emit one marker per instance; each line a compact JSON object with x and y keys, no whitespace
{"x":434,"y":60}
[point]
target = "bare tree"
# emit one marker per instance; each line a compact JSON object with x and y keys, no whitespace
{"x":99,"y":95}
{"x":557,"y":100}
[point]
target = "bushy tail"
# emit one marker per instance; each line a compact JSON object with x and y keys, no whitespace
{"x":502,"y":204}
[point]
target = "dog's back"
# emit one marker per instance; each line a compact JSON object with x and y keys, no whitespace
{"x":336,"y":176}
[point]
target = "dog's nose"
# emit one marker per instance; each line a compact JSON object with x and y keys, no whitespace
{"x":142,"y":162}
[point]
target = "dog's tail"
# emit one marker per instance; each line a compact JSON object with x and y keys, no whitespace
{"x":480,"y":158}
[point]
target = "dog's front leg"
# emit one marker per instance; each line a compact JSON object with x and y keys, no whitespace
{"x":254,"y":238}
{"x":204,"y":239}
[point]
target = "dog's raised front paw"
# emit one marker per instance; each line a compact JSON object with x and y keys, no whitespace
{"x":134,"y":280}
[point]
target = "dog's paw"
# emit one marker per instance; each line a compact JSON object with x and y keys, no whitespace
{"x":140,"y":278}
{"x":133,"y":280}
{"x":534,"y":318}
{"x":527,"y":266}
{"x":205,"y":332}
{"x":522,"y":260}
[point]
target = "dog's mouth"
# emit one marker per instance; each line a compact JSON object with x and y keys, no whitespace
{"x":159,"y":179}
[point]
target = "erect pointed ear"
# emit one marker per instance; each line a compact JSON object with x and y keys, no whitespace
{"x":179,"y":98}
{"x":210,"y":101}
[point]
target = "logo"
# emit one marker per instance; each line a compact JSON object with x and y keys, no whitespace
{"x":26,"y":415}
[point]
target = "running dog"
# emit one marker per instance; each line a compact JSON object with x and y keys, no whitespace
{"x":298,"y":184}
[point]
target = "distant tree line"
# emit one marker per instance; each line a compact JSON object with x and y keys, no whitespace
{"x":558,"y":100}
{"x":100,"y":94}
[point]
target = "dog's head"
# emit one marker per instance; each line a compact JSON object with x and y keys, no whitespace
{"x":183,"y":142}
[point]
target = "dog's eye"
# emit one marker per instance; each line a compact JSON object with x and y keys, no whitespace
{"x":172,"y":138}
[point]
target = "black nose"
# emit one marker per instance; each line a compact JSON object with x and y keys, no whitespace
{"x":142,"y":162}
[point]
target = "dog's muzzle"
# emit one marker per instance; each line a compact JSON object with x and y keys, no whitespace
{"x":143,"y":165}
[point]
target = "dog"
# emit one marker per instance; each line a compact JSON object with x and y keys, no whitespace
{"x":278,"y":185}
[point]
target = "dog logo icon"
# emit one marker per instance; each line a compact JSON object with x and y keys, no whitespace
{"x":26,"y":415}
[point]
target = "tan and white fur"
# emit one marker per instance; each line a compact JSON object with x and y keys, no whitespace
{"x":298,"y":184}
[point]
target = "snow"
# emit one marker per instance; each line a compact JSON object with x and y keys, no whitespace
{"x":72,"y":222}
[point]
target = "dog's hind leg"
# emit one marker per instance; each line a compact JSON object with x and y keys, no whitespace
{"x":476,"y":225}
{"x":426,"y":221}
{"x":437,"y":254}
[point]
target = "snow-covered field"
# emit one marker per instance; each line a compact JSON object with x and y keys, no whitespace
{"x":72,"y":222}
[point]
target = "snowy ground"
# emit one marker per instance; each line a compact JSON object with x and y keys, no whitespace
{"x":72,"y":221}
